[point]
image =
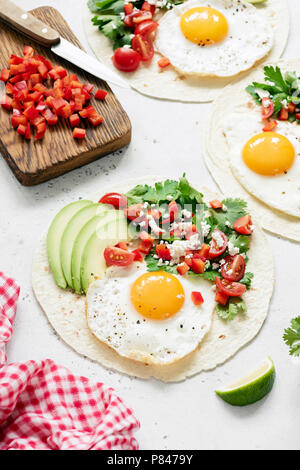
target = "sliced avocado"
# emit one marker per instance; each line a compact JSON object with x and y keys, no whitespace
{"x":54,"y":237}
{"x":78,"y":221}
{"x":93,"y":263}
{"x":81,"y":240}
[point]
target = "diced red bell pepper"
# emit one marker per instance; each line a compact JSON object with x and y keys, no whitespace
{"x":146,"y":243}
{"x":204,"y":251}
{"x":41,"y":130}
{"x":50,"y":117}
{"x":10,"y":89}
{"x":16,"y":121}
{"x":37,"y":121}
{"x":182,"y":269}
{"x":31,"y":113}
{"x":122,"y":245}
{"x":173,"y":211}
{"x":197,"y":298}
{"x":100,"y":95}
{"x":95,"y":121}
{"x":15,"y":60}
{"x":17,"y":69}
{"x":5,"y":74}
{"x":221,"y":298}
{"x":298,"y":116}
{"x":216,"y":204}
{"x":28,"y":132}
{"x":291,"y":108}
{"x":128,"y":8}
{"x":270,"y":126}
{"x":58,"y":104}
{"x":74,"y":120}
{"x":163,"y":62}
{"x":284,"y":114}
{"x":147,"y":7}
{"x":198,"y":265}
{"x":28,"y":51}
{"x":79,"y":133}
{"x":6,"y":102}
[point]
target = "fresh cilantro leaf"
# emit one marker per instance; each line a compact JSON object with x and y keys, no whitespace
{"x":234,"y":307}
{"x":135,"y":195}
{"x":242,"y":242}
{"x":274,"y":75}
{"x":188,"y":193}
{"x":220,"y":219}
{"x":292,"y":337}
{"x":252,"y":90}
{"x":207,"y":275}
{"x":247,"y":280}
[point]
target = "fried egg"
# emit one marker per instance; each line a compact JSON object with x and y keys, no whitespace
{"x":267,"y":164}
{"x":148,"y":316}
{"x":214,"y":37}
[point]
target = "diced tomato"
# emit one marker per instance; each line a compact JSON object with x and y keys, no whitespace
{"x":163,"y":252}
{"x":133,"y":212}
{"x":100,"y":95}
{"x":144,"y":16}
{"x":143,"y":46}
{"x":79,"y":133}
{"x":6,"y":102}
{"x":217,"y":248}
{"x":163,"y":62}
{"x":155,"y":213}
{"x":173,"y":211}
{"x":137,"y":255}
{"x":126,"y":60}
{"x":122,"y":245}
{"x":128,"y":20}
{"x":232,"y":289}
{"x":270,"y":126}
{"x":221,"y":298}
{"x":188,"y":261}
{"x":267,"y":108}
{"x":147,"y":7}
{"x":117,"y":200}
{"x":197,"y":298}
{"x":74,"y":120}
{"x":216,"y":204}
{"x":243,"y":225}
{"x":291,"y":108}
{"x":234,"y":268}
{"x":128,"y":8}
{"x":146,"y":243}
{"x":117,"y":257}
{"x":198,"y":265}
{"x":182,"y":269}
{"x":283,"y":115}
{"x":146,"y":28}
{"x":5,"y":73}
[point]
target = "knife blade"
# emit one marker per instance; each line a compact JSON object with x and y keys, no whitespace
{"x":26,"y":23}
{"x":66,"y":50}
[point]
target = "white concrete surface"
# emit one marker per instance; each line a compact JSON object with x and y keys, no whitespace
{"x":166,"y":137}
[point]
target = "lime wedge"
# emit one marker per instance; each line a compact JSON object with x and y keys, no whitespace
{"x":252,"y":388}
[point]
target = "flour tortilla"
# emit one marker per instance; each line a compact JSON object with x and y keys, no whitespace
{"x":66,"y":313}
{"x":215,"y":150}
{"x":167,"y":84}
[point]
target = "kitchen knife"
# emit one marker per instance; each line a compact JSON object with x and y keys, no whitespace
{"x":48,"y":37}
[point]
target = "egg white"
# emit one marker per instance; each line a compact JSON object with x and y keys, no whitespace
{"x":282,"y":192}
{"x":249,"y":39}
{"x":112,"y":318}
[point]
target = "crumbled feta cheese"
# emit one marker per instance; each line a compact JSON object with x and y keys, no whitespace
{"x":222,"y":261}
{"x":160,"y":262}
{"x":169,"y":198}
{"x":179,"y":247}
{"x":187,"y":214}
{"x":207,"y":265}
{"x":217,"y":238}
{"x":227,"y":223}
{"x":155,"y":256}
{"x":142,"y":224}
{"x":284,"y":103}
{"x":252,"y":227}
{"x":262,"y":93}
{"x":224,"y":208}
{"x":205,"y":228}
{"x":215,"y":266}
{"x":233,"y":250}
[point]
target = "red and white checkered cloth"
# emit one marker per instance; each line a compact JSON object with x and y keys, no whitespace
{"x":44,"y":406}
{"x":9,"y":294}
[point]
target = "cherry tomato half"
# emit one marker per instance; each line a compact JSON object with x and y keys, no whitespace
{"x":217,"y":249}
{"x":126,"y":59}
{"x":133,"y":212}
{"x":118,"y":201}
{"x":117,"y":257}
{"x":267,"y":108}
{"x":243,"y":225}
{"x":234,"y":268}
{"x":143,"y":46}
{"x":232,"y":289}
{"x":146,"y":27}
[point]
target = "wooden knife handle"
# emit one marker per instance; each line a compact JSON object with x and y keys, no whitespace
{"x":27,"y":24}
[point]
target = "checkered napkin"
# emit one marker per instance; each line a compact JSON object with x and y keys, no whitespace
{"x":9,"y":294}
{"x":44,"y":406}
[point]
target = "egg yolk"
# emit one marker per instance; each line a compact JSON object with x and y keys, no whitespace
{"x":157,"y":295}
{"x":269,"y":154}
{"x":204,"y":25}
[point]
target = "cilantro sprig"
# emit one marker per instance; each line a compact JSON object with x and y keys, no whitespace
{"x":234,"y":307}
{"x":109,"y":18}
{"x":282,"y":89}
{"x":292,"y":337}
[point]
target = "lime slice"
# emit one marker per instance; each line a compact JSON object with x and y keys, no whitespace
{"x":252,"y":388}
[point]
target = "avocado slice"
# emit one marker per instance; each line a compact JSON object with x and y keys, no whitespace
{"x":54,"y":237}
{"x":81,"y":240}
{"x":78,"y":221}
{"x":93,"y":264}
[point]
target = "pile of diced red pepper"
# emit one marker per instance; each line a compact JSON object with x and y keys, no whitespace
{"x":38,"y":94}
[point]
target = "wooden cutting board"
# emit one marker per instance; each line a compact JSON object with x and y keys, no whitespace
{"x":34,"y":162}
